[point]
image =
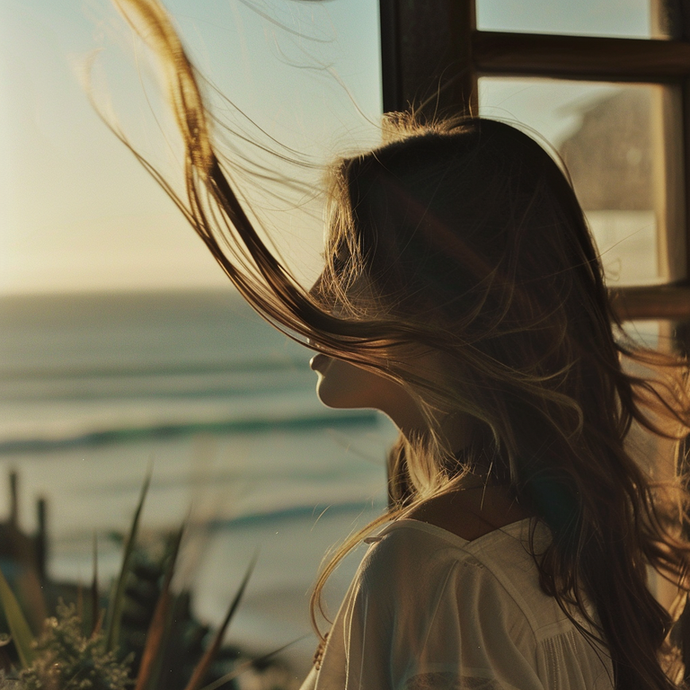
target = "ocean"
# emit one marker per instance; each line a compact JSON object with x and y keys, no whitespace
{"x":95,"y":388}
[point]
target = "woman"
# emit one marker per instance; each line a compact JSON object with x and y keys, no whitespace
{"x":463,"y":297}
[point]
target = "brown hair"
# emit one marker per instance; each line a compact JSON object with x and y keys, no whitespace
{"x":470,"y":242}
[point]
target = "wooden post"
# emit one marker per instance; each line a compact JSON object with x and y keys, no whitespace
{"x":426,"y":57}
{"x":672,"y":18}
{"x":41,"y":539}
{"x":14,"y":499}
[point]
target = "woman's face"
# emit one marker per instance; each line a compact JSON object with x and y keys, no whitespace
{"x":346,"y":386}
{"x":343,"y":385}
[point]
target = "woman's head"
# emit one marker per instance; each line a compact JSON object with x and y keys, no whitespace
{"x":464,"y":242}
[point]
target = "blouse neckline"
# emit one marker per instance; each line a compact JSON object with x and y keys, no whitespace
{"x":451,"y":537}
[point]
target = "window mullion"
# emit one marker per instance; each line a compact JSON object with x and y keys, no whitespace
{"x":580,"y":57}
{"x":426,"y":56}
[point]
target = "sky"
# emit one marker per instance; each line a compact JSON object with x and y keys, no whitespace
{"x":77,"y":213}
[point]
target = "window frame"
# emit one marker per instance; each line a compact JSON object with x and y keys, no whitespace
{"x":432,"y":55}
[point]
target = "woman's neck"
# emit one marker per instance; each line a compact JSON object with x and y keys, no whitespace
{"x":455,"y":429}
{"x":471,"y":512}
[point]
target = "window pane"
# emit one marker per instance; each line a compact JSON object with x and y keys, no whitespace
{"x":621,"y":18}
{"x":612,"y":138}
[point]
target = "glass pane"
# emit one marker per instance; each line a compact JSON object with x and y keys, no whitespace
{"x":622,"y":18}
{"x":612,"y":138}
{"x":648,"y":334}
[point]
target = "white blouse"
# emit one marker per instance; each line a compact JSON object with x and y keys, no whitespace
{"x":429,"y":610}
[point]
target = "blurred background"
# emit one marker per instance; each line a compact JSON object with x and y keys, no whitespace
{"x":123,"y":346}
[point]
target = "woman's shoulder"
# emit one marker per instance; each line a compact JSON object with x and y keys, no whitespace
{"x":411,"y":549}
{"x":412,"y":560}
{"x":408,"y":542}
{"x":458,"y":527}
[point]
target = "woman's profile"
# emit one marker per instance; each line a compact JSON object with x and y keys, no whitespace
{"x":462,"y":296}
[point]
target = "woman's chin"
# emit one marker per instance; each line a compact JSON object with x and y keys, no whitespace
{"x":329,"y":400}
{"x":334,"y":399}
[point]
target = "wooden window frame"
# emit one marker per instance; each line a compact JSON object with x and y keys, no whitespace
{"x":432,"y":56}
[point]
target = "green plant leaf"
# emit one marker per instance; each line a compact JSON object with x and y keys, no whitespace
{"x":160,"y":624}
{"x":19,"y":628}
{"x":116,"y":602}
{"x":210,"y":654}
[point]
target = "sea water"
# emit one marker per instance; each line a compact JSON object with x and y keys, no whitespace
{"x":95,"y":388}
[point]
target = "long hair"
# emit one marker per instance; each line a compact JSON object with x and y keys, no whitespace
{"x":465,"y":239}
